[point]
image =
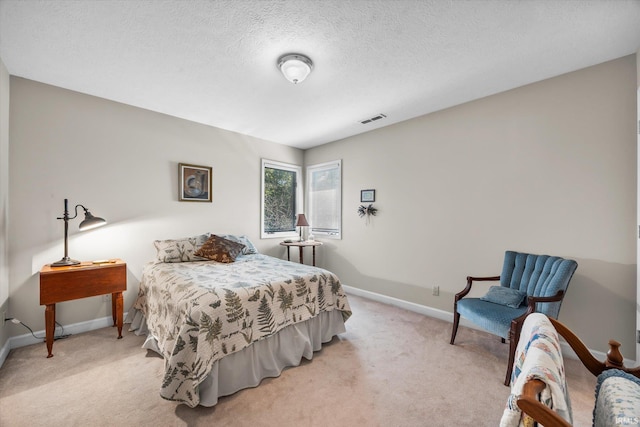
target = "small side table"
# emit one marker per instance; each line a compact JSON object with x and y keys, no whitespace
{"x":302,"y":245}
{"x":58,"y":284}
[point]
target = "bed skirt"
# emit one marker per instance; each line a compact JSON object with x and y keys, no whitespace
{"x":262,"y":359}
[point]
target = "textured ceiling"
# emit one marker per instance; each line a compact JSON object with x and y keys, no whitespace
{"x":214,"y":62}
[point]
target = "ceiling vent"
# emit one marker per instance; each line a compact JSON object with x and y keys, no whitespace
{"x":373,"y":119}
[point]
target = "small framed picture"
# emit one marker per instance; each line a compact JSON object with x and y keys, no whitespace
{"x":195,"y":183}
{"x":367,"y":195}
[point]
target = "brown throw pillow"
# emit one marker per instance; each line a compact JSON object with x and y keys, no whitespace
{"x":220,"y":249}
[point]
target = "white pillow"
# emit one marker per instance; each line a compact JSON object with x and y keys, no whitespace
{"x":180,"y":250}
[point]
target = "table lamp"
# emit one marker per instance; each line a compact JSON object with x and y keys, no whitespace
{"x":88,"y":223}
{"x":301,"y":222}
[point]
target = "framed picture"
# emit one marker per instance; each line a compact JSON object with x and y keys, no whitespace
{"x":367,"y":195}
{"x":195,"y":183}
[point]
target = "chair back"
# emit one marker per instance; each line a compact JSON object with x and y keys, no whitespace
{"x":539,"y":276}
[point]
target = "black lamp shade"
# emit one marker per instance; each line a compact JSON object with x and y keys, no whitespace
{"x":91,"y":221}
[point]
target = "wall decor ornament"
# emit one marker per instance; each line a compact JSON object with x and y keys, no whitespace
{"x":367,"y":211}
{"x":195,"y":183}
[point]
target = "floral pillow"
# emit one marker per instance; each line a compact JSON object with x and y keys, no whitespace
{"x":180,"y":250}
{"x":219,"y":249}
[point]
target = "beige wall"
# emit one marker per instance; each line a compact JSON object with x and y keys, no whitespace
{"x":4,"y":201}
{"x":122,"y":163}
{"x":545,"y":168}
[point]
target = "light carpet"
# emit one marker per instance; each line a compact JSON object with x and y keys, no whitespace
{"x":391,"y":368}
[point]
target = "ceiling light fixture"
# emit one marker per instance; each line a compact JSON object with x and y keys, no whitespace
{"x":295,"y":67}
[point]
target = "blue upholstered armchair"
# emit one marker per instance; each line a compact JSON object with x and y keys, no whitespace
{"x":528,"y":283}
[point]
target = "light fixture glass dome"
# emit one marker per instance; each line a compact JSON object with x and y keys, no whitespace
{"x":295,"y":67}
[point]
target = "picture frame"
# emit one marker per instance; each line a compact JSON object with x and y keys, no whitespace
{"x":368,"y":196}
{"x":195,"y":183}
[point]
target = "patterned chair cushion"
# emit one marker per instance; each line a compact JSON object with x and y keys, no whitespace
{"x":494,"y":318}
{"x":219,"y":249}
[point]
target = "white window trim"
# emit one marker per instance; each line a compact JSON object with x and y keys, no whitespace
{"x":299,"y":197}
{"x":309,"y":170}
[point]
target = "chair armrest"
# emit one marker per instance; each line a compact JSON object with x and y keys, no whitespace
{"x":531,"y":307}
{"x":596,"y":367}
{"x":470,"y":281}
{"x":530,"y":404}
{"x":516,"y":324}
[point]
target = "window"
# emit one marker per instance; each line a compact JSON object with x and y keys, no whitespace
{"x":324,"y":199}
{"x":281,"y":199}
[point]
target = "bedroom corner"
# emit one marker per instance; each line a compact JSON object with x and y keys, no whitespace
{"x":4,"y":211}
{"x":81,"y":148}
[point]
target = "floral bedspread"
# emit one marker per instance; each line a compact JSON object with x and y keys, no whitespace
{"x":201,"y":311}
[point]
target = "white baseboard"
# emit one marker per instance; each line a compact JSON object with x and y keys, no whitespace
{"x":75,"y":328}
{"x":4,"y":351}
{"x":411,"y":306}
{"x":567,"y":351}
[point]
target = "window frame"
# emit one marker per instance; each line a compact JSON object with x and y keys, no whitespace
{"x":272,"y":164}
{"x":309,"y":203}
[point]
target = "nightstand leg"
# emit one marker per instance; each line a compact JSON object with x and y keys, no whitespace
{"x":301,"y":259}
{"x":117,"y":308}
{"x":314,"y":255}
{"x":50,"y":326}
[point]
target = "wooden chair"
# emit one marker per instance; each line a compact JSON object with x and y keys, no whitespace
{"x":529,"y":401}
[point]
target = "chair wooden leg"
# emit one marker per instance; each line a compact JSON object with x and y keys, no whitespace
{"x":514,"y":335}
{"x":454,"y":331}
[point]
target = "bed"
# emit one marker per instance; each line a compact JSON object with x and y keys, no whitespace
{"x":224,"y":326}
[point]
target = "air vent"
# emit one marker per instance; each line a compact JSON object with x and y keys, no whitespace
{"x":373,"y":119}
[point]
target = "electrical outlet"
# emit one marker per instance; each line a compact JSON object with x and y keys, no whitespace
{"x":106,"y":298}
{"x":4,"y":317}
{"x":436,"y":290}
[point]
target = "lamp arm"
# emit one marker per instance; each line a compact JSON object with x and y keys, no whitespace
{"x":65,"y":216}
{"x":76,"y":210}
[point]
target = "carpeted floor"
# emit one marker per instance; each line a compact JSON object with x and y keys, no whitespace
{"x":392,"y":368}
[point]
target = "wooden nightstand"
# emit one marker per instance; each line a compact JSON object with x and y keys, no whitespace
{"x":302,"y":245}
{"x":58,"y":284}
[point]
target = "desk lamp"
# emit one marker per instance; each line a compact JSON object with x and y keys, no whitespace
{"x":301,"y":222}
{"x":88,"y":223}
